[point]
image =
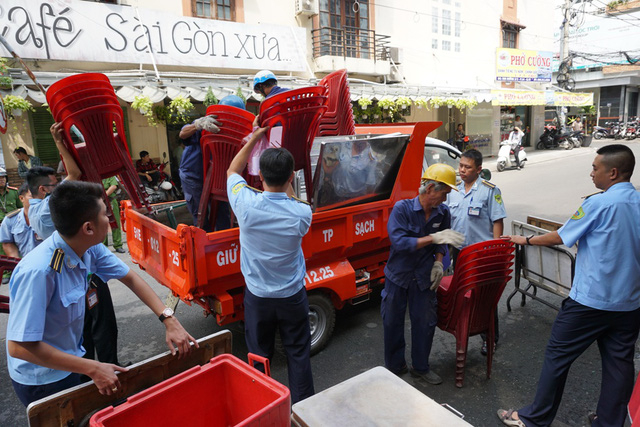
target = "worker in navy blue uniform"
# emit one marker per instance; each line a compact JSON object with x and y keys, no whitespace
{"x":48,"y":290}
{"x":419,"y":229}
{"x":272,"y":224}
{"x":477,"y":211}
{"x":191,"y":167}
{"x":265,"y":83}
{"x":604,"y":301}
{"x":16,"y":235}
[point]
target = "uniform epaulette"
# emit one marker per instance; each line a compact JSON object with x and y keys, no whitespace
{"x":253,"y":188}
{"x":12,"y":188}
{"x":236,"y":188}
{"x":488,"y":184}
{"x":300,"y":200}
{"x":56,"y":260}
{"x":593,"y":194}
{"x":13,"y":213}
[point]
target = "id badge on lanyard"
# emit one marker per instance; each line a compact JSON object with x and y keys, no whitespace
{"x":473,"y":211}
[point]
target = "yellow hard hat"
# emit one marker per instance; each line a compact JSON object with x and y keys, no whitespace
{"x":441,"y":172}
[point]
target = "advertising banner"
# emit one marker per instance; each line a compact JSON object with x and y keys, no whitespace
{"x":549,"y":98}
{"x":515,"y":65}
{"x":517,"y":97}
{"x":74,"y":30}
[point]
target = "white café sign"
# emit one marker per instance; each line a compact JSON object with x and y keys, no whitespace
{"x":73,"y":30}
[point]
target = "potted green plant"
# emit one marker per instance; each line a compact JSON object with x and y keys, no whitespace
{"x":210,"y":98}
{"x":403,"y":102}
{"x":15,"y":105}
{"x":437,"y":101}
{"x":421,"y":102}
{"x":162,"y":114}
{"x":143,"y":104}
{"x":364,"y":102}
{"x":386,"y":103}
{"x":179,"y":107}
{"x":375,"y":112}
{"x":5,"y":79}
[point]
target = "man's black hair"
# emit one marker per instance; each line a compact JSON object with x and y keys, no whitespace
{"x":20,"y":150}
{"x":23,"y":188}
{"x":620,"y":157}
{"x":37,"y":176}
{"x":276,"y":166}
{"x":143,"y":153}
{"x":73,"y":203}
{"x":474,"y":155}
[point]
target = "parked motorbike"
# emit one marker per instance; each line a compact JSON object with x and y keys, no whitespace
{"x":553,"y":138}
{"x":507,"y":151}
{"x":576,"y":138}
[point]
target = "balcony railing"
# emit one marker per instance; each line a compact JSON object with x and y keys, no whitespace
{"x":350,"y":42}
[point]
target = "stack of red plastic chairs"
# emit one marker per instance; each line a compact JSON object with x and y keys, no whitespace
{"x":298,"y":111}
{"x":468,"y":299}
{"x":89,"y":102}
{"x":7,"y":263}
{"x":218,"y":150}
{"x":338,"y":119}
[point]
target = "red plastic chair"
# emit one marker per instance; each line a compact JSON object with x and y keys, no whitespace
{"x":467,"y":300}
{"x":218,"y":150}
{"x":7,"y":263}
{"x":299,"y":112}
{"x":338,"y":119}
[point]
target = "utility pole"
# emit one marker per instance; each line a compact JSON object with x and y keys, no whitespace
{"x":564,"y":52}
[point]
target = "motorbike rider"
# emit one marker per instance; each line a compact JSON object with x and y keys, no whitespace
{"x":147,"y":170}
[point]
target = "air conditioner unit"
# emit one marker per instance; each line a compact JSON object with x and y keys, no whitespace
{"x":307,"y":7}
{"x":396,"y":75}
{"x":396,"y":54}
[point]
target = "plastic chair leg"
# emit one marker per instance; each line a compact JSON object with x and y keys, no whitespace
{"x":204,"y":197}
{"x":491,"y":339}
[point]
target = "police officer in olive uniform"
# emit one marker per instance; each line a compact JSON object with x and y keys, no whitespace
{"x":477,"y":210}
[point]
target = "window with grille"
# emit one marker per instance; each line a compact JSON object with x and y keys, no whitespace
{"x":434,"y":43}
{"x":223,"y":10}
{"x":345,"y":29}
{"x":458,"y":24}
{"x":446,"y":22}
{"x":509,"y":38}
{"x":457,"y":47}
{"x":446,"y":45}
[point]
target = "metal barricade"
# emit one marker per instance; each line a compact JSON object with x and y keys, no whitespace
{"x":550,"y":268}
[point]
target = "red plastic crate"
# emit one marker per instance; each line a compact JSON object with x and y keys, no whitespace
{"x":225,"y":392}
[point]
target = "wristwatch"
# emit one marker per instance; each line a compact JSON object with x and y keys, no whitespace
{"x":166,"y":313}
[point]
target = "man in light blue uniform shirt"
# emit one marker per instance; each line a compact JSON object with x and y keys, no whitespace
{"x":272,"y":224}
{"x":16,"y":235}
{"x":477,"y":211}
{"x":604,"y":302}
{"x":49,"y":291}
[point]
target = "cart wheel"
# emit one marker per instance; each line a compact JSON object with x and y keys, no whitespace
{"x":322,"y":319}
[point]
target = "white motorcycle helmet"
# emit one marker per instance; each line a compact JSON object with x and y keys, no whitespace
{"x":166,"y":186}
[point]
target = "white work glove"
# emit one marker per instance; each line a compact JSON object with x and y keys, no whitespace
{"x":448,"y":237}
{"x":208,"y":123}
{"x":436,"y":275}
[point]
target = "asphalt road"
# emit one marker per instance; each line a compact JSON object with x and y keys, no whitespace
{"x":551,"y":186}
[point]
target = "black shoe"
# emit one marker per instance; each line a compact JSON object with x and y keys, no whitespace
{"x":483,"y":350}
{"x":429,"y":376}
{"x":121,"y":251}
{"x":400,"y":371}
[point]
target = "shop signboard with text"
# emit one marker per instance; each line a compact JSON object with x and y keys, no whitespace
{"x":532,"y":97}
{"x":74,"y":30}
{"x":516,"y":65}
